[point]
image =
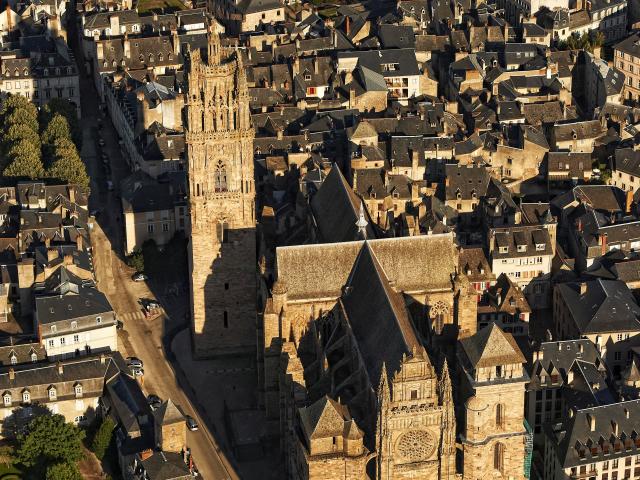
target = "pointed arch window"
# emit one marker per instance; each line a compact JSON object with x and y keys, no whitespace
{"x":498,"y":457}
{"x":500,"y":416}
{"x":220,"y":177}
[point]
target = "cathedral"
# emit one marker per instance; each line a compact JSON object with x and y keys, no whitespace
{"x":222,"y":247}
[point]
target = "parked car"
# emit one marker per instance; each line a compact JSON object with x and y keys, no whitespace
{"x":152,"y":305}
{"x":139,"y":277}
{"x":134,"y":362}
{"x":154,"y":401}
{"x":191,"y":423}
{"x":137,"y":372}
{"x":119,"y":325}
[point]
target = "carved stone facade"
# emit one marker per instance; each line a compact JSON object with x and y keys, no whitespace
{"x":222,"y":250}
{"x":349,"y":322}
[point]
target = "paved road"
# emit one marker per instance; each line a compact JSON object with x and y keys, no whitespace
{"x":141,"y":338}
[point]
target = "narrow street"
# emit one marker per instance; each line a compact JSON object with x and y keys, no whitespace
{"x":141,"y":337}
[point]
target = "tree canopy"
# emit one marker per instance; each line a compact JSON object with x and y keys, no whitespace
{"x":63,"y":471}
{"x":49,"y":440}
{"x":36,"y":145}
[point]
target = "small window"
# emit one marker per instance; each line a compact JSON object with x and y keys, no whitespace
{"x":34,"y":357}
{"x":414,"y":394}
{"x":50,"y":343}
{"x":6,"y":399}
{"x":78,"y":390}
{"x":76,"y":338}
{"x":26,"y":396}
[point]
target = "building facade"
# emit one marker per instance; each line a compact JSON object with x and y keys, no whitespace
{"x":222,"y":250}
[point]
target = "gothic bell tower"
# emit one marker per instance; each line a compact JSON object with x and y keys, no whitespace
{"x":222,"y":247}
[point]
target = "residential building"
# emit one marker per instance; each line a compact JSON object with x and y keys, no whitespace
{"x":593,"y":442}
{"x":627,"y":59}
{"x":153,"y":209}
{"x":71,"y":388}
{"x":72,"y":317}
{"x":603,"y":311}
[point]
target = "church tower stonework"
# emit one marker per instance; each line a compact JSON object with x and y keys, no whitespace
{"x":222,"y":247}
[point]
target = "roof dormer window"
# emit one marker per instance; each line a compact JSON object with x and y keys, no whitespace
{"x":503,"y":249}
{"x":53,"y":394}
{"x":78,"y":389}
{"x":522,"y":248}
{"x":45,"y":72}
{"x":6,"y":399}
{"x":26,"y":396}
{"x":14,"y":359}
{"x":540,"y":247}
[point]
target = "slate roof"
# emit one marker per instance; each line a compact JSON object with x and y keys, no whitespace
{"x":415,"y":264}
{"x":323,"y":418}
{"x":166,"y":466}
{"x":369,"y":301}
{"x":491,"y":347}
{"x":468,"y":182}
{"x":582,"y":130}
{"x":336,"y":209}
{"x":404,"y":58}
{"x":606,"y":306}
{"x":627,"y":160}
{"x":525,"y":237}
{"x":576,"y":432}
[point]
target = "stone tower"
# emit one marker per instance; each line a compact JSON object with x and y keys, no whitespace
{"x":222,"y":250}
{"x":494,"y":435}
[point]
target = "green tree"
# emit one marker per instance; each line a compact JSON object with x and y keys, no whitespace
{"x":18,"y":102}
{"x":102,"y":438}
{"x":60,"y":106}
{"x":136,"y":260}
{"x":49,"y":440}
{"x":63,"y":471}
{"x":24,"y":161}
{"x":16,"y":133}
{"x":57,"y":128}
{"x":23,"y":118}
{"x":65,"y":164}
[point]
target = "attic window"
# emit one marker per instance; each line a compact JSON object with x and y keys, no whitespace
{"x":14,"y":359}
{"x":46,"y":72}
{"x":503,"y":249}
{"x":307,"y":77}
{"x":53,"y":329}
{"x":34,"y":357}
{"x":522,"y":248}
{"x":539,"y":247}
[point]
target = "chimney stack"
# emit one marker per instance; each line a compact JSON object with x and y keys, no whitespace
{"x":629,"y":201}
{"x":12,"y":374}
{"x":592,"y":421}
{"x":583,"y":288}
{"x":60,"y":368}
{"x":603,"y":243}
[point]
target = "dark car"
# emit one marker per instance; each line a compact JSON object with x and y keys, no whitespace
{"x":119,"y":325}
{"x":134,"y":362}
{"x":191,"y":423}
{"x":154,"y":401}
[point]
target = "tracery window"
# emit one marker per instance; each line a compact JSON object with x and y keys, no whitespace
{"x":438,"y":314}
{"x":220,"y":178}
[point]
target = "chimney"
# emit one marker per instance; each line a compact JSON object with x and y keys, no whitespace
{"x":352,"y":98}
{"x":316,"y":65}
{"x":614,"y":427}
{"x":68,"y":259}
{"x":626,"y":413}
{"x":12,"y":374}
{"x":579,"y":226}
{"x":348,"y":26}
{"x":175,"y":40}
{"x":80,"y":243}
{"x":102,"y":358}
{"x":114,"y":24}
{"x":583,"y":288}
{"x":414,"y":164}
{"x":71,"y":193}
{"x":592,"y":421}
{"x":570,"y":377}
{"x":99,"y":50}
{"x":629,"y":201}
{"x":60,"y":368}
{"x":603,"y":243}
{"x":446,"y":182}
{"x":126,"y":46}
{"x":52,"y":254}
{"x":296,"y":65}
